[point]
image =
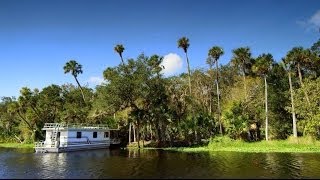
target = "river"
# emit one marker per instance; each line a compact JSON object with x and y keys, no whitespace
{"x":24,"y":163}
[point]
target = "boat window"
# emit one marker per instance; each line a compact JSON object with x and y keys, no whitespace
{"x":78,"y":134}
{"x":106,"y":134}
{"x":95,"y":134}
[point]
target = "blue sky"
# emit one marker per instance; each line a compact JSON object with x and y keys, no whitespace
{"x":38,"y":37}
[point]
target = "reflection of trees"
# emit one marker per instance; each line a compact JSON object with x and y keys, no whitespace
{"x":141,"y":163}
{"x":283,"y":165}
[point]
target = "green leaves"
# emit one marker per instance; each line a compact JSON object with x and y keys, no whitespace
{"x":184,"y":44}
{"x":241,"y":57}
{"x":73,"y":67}
{"x":263,"y":64}
{"x":214,"y":54}
{"x":119,"y":49}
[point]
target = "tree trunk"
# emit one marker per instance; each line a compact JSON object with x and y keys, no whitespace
{"x":138,"y":133}
{"x":210,"y":103}
{"x":196,"y":135}
{"x":151,"y":135}
{"x":189,"y":73}
{"x":134,"y":133}
{"x":80,"y":88}
{"x":294,"y":121}
{"x":302,"y":85}
{"x":25,"y":120}
{"x":244,"y":84}
{"x":218,"y":96}
{"x":121,"y":59}
{"x":129,"y":132}
{"x":17,"y":138}
{"x":266,"y":104}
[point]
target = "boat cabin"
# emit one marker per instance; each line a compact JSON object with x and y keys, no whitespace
{"x":62,"y":137}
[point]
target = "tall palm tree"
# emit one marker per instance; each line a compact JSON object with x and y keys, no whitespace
{"x":74,"y":68}
{"x":299,"y":56}
{"x":119,"y":49}
{"x":184,"y":44}
{"x":287,"y":66}
{"x":241,"y":57}
{"x":214,"y":54}
{"x":262,"y":66}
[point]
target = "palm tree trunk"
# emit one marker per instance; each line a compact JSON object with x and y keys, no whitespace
{"x":80,"y":88}
{"x":134,"y":133}
{"x":292,"y":106}
{"x":266,"y":104}
{"x":244,"y":84}
{"x":210,"y":95}
{"x":189,"y":73}
{"x":218,"y":96}
{"x":302,"y":85}
{"x":210,"y":104}
{"x":138,"y":134}
{"x":129,"y":132}
{"x":121,"y":59}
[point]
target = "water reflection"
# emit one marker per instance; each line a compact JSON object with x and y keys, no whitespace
{"x":139,"y":164}
{"x":49,"y":163}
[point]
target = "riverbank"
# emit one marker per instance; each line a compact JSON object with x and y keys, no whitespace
{"x":298,"y":145}
{"x":16,"y":145}
{"x":292,"y":145}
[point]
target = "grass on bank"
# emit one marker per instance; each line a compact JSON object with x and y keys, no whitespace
{"x":224,"y":143}
{"x":16,"y":145}
{"x":300,"y":144}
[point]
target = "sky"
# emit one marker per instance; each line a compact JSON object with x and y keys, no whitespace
{"x":38,"y":37}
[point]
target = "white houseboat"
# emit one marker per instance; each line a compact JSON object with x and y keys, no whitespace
{"x":62,"y":137}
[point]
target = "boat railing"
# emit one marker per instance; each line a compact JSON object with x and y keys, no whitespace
{"x":39,"y":144}
{"x":81,"y":126}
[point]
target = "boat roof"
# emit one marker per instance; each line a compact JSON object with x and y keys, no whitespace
{"x":64,"y":126}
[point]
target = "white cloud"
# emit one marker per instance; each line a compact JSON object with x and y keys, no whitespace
{"x":315,"y":19}
{"x":95,"y":80}
{"x":313,"y":23}
{"x":172,"y":64}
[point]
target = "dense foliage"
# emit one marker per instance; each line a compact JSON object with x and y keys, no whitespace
{"x":243,"y":99}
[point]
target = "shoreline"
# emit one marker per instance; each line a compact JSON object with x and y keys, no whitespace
{"x":223,"y":144}
{"x":231,"y":149}
{"x":280,"y":146}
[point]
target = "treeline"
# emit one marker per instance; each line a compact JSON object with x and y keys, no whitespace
{"x":250,"y":98}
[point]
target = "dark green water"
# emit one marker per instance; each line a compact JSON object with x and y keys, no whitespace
{"x":95,"y":164}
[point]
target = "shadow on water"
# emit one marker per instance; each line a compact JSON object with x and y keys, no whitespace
{"x":138,"y":164}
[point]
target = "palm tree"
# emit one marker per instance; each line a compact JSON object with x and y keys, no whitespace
{"x":214,"y":54}
{"x":287,"y":66}
{"x":298,"y":56}
{"x":119,"y":49}
{"x":262,"y":66}
{"x":184,"y":44}
{"x":241,"y":57}
{"x":74,"y":68}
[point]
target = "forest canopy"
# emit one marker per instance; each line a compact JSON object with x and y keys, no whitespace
{"x":249,"y":98}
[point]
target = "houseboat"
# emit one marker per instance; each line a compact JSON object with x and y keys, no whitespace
{"x":61,"y":137}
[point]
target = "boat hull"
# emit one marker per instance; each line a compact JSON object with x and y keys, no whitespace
{"x":71,"y":148}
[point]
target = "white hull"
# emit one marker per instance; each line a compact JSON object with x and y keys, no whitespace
{"x":71,"y":148}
